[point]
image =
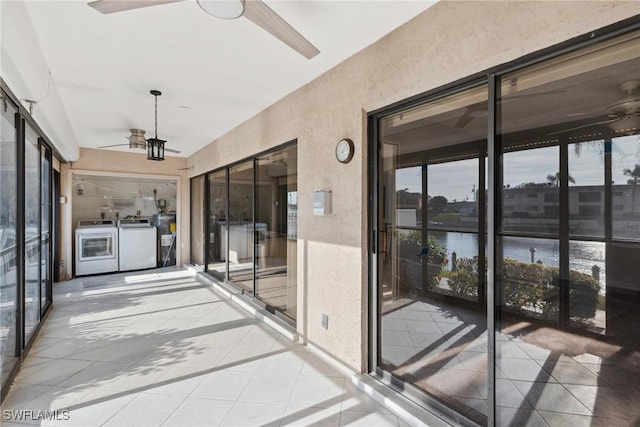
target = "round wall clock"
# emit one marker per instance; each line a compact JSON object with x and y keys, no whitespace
{"x":344,"y":150}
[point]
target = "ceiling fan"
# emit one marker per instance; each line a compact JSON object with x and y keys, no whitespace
{"x":137,"y":139}
{"x":623,"y":116}
{"x":480,"y":110}
{"x":254,"y":10}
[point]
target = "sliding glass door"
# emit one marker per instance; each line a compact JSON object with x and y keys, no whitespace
{"x":251,"y":230}
{"x":562,"y":291}
{"x":276,"y":236}
{"x":431,"y":262}
{"x":240,"y":225}
{"x":32,"y":224}
{"x":218,"y":225}
{"x":197,"y":221}
{"x":8,"y":244}
{"x":26,"y":206}
{"x":568,"y":294}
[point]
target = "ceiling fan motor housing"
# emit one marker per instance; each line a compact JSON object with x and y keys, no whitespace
{"x":137,"y":139}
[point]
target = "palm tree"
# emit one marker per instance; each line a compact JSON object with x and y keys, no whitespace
{"x":634,"y":174}
{"x":555,"y":179}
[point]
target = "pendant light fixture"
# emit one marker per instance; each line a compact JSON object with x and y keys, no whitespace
{"x":155,"y":146}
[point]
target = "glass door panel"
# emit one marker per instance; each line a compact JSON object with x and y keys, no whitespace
{"x":217,"y":253}
{"x":276,"y":235}
{"x":197,"y":221}
{"x":45,"y":199}
{"x":432,"y":319}
{"x":8,"y":247}
{"x":32,"y":231}
{"x":240,"y":225}
{"x":568,"y":313}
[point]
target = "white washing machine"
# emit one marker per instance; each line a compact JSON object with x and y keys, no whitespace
{"x":137,"y":241}
{"x":96,"y":247}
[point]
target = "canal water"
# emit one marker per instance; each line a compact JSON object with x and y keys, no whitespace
{"x":583,"y":255}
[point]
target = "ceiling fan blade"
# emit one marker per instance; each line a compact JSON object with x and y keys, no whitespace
{"x":171,"y":150}
{"x":114,"y":145}
{"x":465,"y":119}
{"x":263,"y":16}
{"x":113,"y":6}
{"x":604,"y":122}
{"x":531,"y":95}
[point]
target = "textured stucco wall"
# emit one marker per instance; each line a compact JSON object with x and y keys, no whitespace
{"x":449,"y":41}
{"x":106,"y":162}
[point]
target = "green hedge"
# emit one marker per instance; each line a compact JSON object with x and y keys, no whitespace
{"x":409,"y":249}
{"x":531,"y":288}
{"x":464,"y":280}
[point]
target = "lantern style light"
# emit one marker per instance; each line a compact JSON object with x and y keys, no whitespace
{"x":155,"y":146}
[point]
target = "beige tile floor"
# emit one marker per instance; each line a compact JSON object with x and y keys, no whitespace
{"x":162,"y":349}
{"x":544,"y":376}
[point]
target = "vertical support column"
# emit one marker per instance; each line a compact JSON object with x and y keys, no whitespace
{"x":39,"y":293}
{"x":20,"y":237}
{"x":424,"y":260}
{"x":374,"y":189}
{"x":493,"y":216}
{"x":227,"y":215}
{"x":254,"y":214}
{"x":608,"y":192}
{"x":481,"y":203}
{"x":206,"y":215}
{"x":563,"y":223}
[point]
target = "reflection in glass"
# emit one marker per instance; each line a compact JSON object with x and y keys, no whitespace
{"x":433,"y":321}
{"x":531,"y":191}
{"x":588,"y":277}
{"x":216,"y":256}
{"x":568,"y":314}
{"x":529,"y":277}
{"x":241,"y":225}
{"x":452,"y":210}
{"x":197,"y":221}
{"x":586,"y":189}
{"x":625,"y":162}
{"x":32,"y":231}
{"x":45,"y":273}
{"x":276,"y":230}
{"x":8,"y":253}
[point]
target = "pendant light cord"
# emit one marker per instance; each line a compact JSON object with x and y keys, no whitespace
{"x":156,"y":116}
{"x":156,"y":93}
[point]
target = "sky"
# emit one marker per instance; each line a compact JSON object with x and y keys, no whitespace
{"x":457,"y":180}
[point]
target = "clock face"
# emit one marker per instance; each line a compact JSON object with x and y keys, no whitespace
{"x":344,"y":150}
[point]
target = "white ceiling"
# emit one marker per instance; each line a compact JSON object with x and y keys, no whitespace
{"x":214,"y":74}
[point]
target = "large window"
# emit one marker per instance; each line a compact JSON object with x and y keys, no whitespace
{"x":251,"y":230}
{"x":197,"y":221}
{"x":32,"y":257}
{"x":562,"y":243}
{"x":8,"y":248}
{"x":25,"y":232}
